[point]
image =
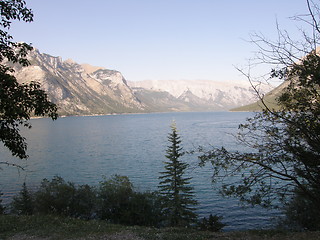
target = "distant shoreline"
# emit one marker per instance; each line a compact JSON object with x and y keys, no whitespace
{"x":116,"y":114}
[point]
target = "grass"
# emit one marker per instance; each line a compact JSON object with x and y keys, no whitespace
{"x":55,"y":227}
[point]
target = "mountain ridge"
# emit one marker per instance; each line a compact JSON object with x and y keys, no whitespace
{"x":269,"y":100}
{"x":210,"y":95}
{"x":74,"y":90}
{"x":83,"y":89}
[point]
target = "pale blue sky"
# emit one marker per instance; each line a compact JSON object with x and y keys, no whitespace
{"x":156,"y":39}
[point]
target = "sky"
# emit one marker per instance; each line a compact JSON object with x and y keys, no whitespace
{"x":157,"y":39}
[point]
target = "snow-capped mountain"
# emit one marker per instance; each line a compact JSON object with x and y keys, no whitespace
{"x":204,"y":94}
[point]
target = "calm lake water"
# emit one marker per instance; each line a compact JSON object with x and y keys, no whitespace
{"x":83,"y":149}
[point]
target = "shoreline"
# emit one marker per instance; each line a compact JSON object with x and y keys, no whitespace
{"x":137,"y":113}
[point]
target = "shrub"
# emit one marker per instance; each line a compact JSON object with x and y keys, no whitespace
{"x":2,"y":208}
{"x":301,"y":213}
{"x":64,"y":198}
{"x":119,"y":203}
{"x":144,"y":209}
{"x":114,"y":195}
{"x":55,"y":197}
{"x":114,"y":200}
{"x":85,"y":202}
{"x":23,"y":203}
{"x":213,"y":223}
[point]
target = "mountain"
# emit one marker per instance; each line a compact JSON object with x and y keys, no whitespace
{"x":79,"y":89}
{"x":269,"y":100}
{"x":82,"y":89}
{"x":197,"y":95}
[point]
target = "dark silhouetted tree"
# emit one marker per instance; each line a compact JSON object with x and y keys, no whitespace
{"x":23,"y":203}
{"x":284,"y":163}
{"x":177,"y":194}
{"x":213,"y":223}
{"x":17,"y":101}
{"x":2,"y":208}
{"x":119,"y":203}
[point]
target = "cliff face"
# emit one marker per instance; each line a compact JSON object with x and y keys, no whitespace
{"x":87,"y":90}
{"x":80,"y":89}
{"x":269,"y":99}
{"x":202,"y":95}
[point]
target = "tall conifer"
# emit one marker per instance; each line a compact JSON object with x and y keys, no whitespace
{"x":177,"y":194}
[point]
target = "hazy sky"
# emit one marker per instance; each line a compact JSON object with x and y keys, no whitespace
{"x":156,"y":39}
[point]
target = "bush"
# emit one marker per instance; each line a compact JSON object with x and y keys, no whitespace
{"x":144,"y":210}
{"x":213,"y":223}
{"x":301,"y":213}
{"x":55,"y":197}
{"x":114,"y":195}
{"x":2,"y":208}
{"x":23,"y":203}
{"x":138,"y":209}
{"x":64,"y":198}
{"x":119,"y":203}
{"x":85,"y":202}
{"x":113,"y":200}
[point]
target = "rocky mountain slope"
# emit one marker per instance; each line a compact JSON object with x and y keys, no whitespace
{"x":82,"y":89}
{"x":269,"y":99}
{"x":201,"y":95}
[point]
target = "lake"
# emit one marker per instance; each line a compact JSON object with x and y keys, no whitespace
{"x":83,"y":149}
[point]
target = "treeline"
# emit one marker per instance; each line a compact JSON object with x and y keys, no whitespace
{"x":113,"y":200}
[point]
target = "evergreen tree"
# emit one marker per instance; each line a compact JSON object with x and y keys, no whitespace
{"x":177,"y":194}
{"x":23,"y":203}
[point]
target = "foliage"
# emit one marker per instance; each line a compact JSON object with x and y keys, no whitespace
{"x":2,"y":208}
{"x":119,"y":203}
{"x":300,"y":214}
{"x":13,"y":52}
{"x":85,"y":202}
{"x":55,"y":196}
{"x":144,"y":209}
{"x":64,"y":198}
{"x":177,"y":194}
{"x":115,"y":196}
{"x":17,"y":101}
{"x":114,"y":200}
{"x":23,"y":203}
{"x":283,"y":164}
{"x":213,"y":223}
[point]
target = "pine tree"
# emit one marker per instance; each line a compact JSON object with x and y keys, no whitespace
{"x":23,"y":203}
{"x":177,"y":194}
